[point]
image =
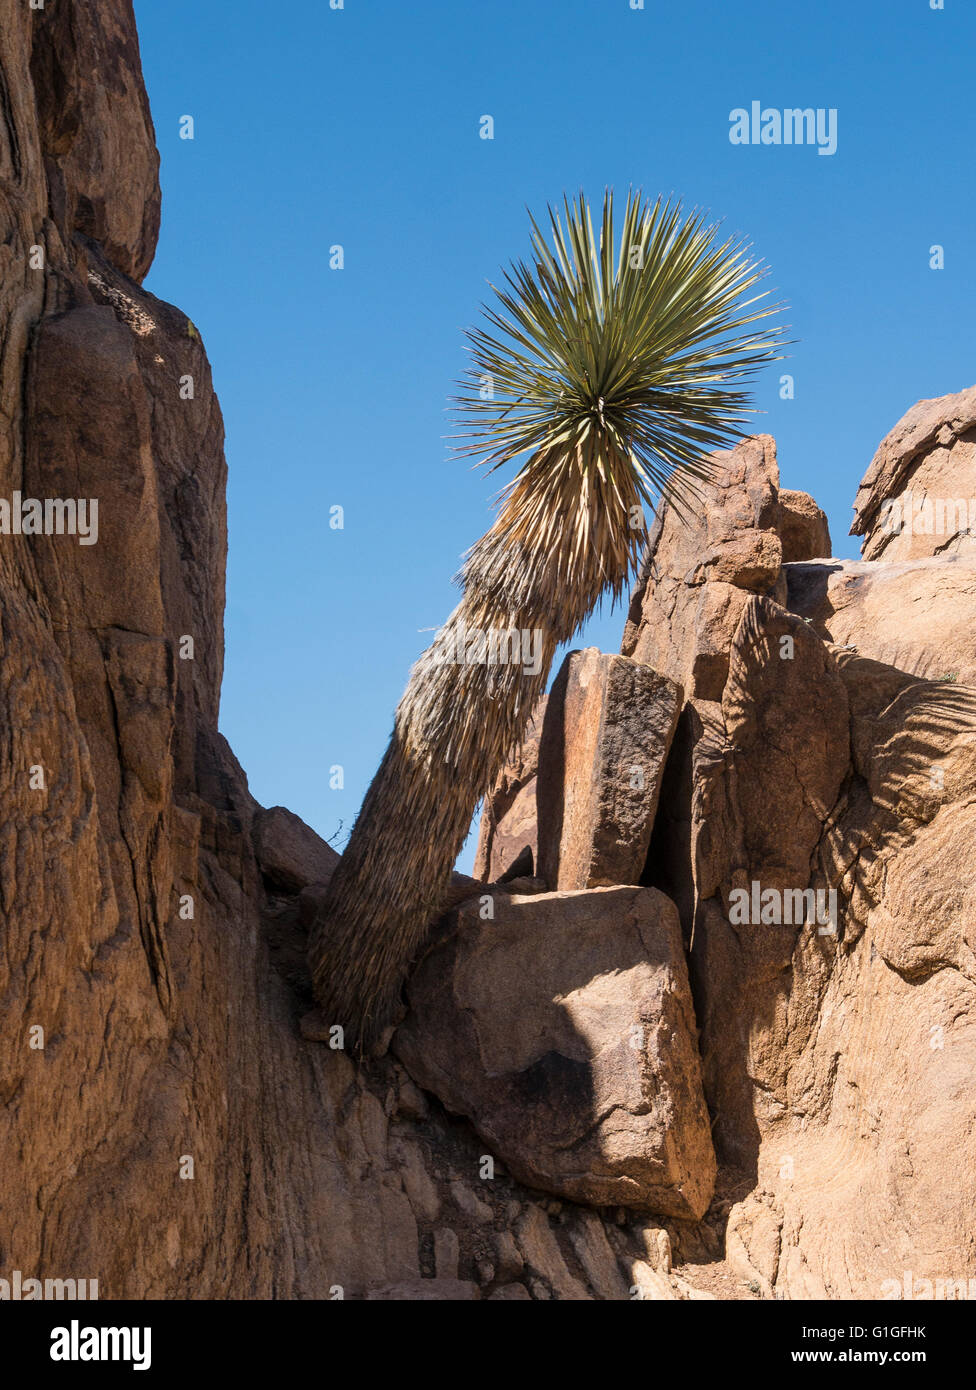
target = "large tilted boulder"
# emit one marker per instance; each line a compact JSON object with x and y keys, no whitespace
{"x":606,"y":735}
{"x":94,"y":129}
{"x":918,"y":498}
{"x":563,"y":1028}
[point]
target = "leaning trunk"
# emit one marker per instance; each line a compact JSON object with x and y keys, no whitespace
{"x":460,"y":717}
{"x":454,"y":728}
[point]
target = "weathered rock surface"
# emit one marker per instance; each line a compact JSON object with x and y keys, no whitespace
{"x":289,"y":853}
{"x":857,"y":1177}
{"x":93,"y":129}
{"x":832,"y":1058}
{"x":563,"y":1029}
{"x":605,"y":738}
{"x":916,"y":615}
{"x":803,"y":530}
{"x":699,"y":573}
{"x":927,"y":466}
{"x":785,"y":750}
{"x":427,"y":1291}
{"x":508,"y":821}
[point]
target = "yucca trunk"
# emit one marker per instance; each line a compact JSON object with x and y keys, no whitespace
{"x":455,"y":726}
{"x":392,"y":878}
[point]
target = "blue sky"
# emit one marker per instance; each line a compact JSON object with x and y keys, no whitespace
{"x":360,"y":127}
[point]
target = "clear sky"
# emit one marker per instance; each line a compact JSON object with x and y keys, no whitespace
{"x":361,"y":126}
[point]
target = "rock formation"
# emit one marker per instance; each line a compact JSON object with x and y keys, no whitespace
{"x":825,"y":755}
{"x":613,"y":1084}
{"x":605,"y":739}
{"x":918,"y":497}
{"x":562,"y":1025}
{"x":507,"y":838}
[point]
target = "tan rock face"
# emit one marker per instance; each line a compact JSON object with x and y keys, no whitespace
{"x":508,"y":821}
{"x":916,"y":615}
{"x":802,"y":526}
{"x":784,"y":729}
{"x":563,"y":1029}
{"x":857,"y":1177}
{"x":700,"y":572}
{"x":606,"y":735}
{"x":918,"y":498}
{"x":833,"y":772}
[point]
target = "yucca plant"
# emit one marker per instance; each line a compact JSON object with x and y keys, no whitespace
{"x":610,"y":366}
